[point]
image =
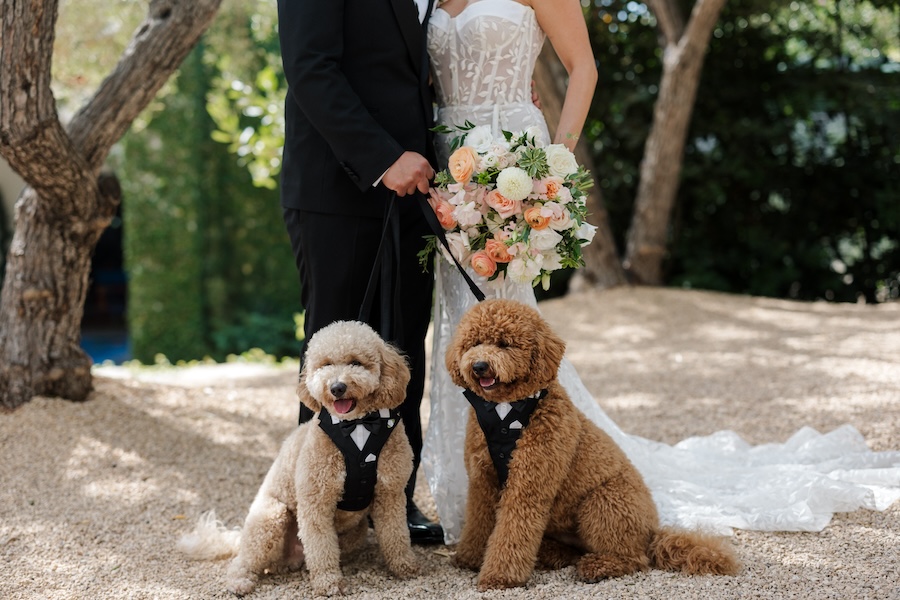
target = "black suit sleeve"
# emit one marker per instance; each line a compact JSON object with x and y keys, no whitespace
{"x":312,"y":46}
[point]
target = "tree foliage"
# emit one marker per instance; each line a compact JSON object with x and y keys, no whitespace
{"x":790,"y":183}
{"x":209,"y":259}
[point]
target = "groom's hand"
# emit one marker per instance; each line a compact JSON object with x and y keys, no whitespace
{"x":409,"y":173}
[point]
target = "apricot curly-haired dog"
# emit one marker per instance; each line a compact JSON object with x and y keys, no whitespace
{"x":349,"y":375}
{"x":571,"y":496}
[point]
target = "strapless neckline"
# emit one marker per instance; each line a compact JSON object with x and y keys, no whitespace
{"x":477,"y":2}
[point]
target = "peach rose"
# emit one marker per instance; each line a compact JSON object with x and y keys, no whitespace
{"x":535,"y":219}
{"x":497,"y":250}
{"x":462,"y":164}
{"x":553,"y":185}
{"x":483,"y":264}
{"x":505,"y":207}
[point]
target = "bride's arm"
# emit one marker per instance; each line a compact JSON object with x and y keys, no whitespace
{"x":563,"y":22}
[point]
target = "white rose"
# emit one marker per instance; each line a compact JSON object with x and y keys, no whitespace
{"x":514,"y":183}
{"x":585,"y":233}
{"x":544,"y":239}
{"x":560,"y":160}
{"x":480,"y":138}
{"x":537,"y":134}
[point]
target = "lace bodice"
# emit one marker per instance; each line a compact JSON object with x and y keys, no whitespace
{"x":482,"y":62}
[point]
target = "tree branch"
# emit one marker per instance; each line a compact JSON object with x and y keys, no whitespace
{"x":171,"y":29}
{"x":31,"y":137}
{"x":704,"y":17}
{"x":669,"y":18}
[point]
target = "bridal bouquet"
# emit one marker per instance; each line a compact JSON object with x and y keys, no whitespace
{"x":509,"y":206}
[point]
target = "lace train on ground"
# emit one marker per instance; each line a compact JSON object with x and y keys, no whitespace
{"x":717,"y":482}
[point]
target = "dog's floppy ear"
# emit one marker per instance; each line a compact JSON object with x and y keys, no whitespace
{"x":394,"y":377}
{"x":303,"y":393}
{"x":452,"y":357}
{"x":547,"y":354}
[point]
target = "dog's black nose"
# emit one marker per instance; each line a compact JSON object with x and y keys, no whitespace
{"x":481,"y":368}
{"x":338,"y":389}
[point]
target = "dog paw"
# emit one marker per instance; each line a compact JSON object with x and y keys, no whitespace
{"x":404,"y":568}
{"x":497,"y":582}
{"x":329,"y":585}
{"x":241,"y":586}
{"x":464,"y":560}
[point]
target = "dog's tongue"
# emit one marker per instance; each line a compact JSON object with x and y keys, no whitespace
{"x":487,"y":382}
{"x":344,"y":405}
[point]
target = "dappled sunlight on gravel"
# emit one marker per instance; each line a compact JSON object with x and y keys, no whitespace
{"x":94,"y":495}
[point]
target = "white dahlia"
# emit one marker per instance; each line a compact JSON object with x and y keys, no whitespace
{"x":514,"y":183}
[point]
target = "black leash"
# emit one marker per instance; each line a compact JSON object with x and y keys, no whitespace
{"x":387,"y":263}
{"x":439,"y":232}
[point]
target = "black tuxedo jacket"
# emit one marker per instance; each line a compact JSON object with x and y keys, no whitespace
{"x":358,"y":98}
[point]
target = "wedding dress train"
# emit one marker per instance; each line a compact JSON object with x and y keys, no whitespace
{"x":482,"y":61}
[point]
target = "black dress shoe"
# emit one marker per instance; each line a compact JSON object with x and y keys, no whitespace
{"x":421,"y":530}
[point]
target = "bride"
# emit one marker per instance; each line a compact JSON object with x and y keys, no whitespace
{"x":482,"y":56}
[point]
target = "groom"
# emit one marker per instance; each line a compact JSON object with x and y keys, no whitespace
{"x":357,"y":121}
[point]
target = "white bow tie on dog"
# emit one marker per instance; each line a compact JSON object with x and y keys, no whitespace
{"x":361,"y":434}
{"x":503,"y":409}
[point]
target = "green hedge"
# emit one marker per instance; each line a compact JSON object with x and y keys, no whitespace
{"x":209,"y":262}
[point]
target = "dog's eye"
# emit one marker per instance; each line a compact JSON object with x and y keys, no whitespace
{"x":502,"y":344}
{"x":355,"y":363}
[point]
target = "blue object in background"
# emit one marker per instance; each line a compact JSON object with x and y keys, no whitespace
{"x":106,"y":344}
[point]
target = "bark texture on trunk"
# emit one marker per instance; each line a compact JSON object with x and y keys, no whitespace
{"x":68,"y":202}
{"x":684,"y":49}
{"x":602,"y":268}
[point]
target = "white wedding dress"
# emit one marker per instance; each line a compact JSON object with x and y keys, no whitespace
{"x":482,"y":61}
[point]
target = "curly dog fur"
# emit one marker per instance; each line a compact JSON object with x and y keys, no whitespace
{"x":572,"y":496}
{"x":300,"y":493}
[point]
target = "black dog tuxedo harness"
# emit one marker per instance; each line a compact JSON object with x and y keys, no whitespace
{"x":362,"y":464}
{"x":502,"y":432}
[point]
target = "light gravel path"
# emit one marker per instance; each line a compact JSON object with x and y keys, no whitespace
{"x":94,"y":495}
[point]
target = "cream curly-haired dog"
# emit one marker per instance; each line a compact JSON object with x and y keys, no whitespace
{"x":351,"y":373}
{"x":571,"y":496}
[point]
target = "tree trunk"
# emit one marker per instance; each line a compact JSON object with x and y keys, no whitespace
{"x":684,"y":50}
{"x":602,"y":267}
{"x":67,"y":203}
{"x":46,"y":289}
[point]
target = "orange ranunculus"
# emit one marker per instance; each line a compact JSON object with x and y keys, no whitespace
{"x":462,"y":164}
{"x":497,"y":250}
{"x":483,"y":264}
{"x":535,"y":219}
{"x":444,"y":212}
{"x":505,"y":207}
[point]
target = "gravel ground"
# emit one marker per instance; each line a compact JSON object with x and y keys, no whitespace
{"x":94,"y":495}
